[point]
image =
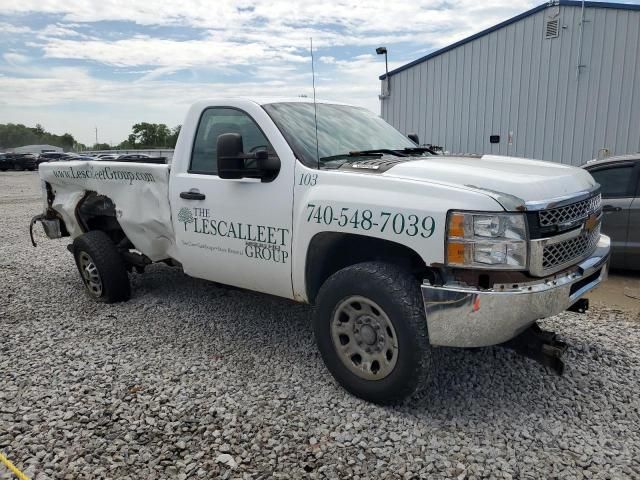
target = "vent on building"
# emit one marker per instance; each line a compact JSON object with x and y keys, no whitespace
{"x":551,"y":28}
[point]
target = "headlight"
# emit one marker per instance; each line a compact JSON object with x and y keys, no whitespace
{"x":486,"y":240}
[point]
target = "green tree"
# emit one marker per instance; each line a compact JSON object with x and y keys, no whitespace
{"x":173,"y":138}
{"x":152,"y":135}
{"x":67,"y":140}
{"x":18,"y":135}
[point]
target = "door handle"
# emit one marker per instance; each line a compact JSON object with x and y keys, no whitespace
{"x":611,"y":208}
{"x":192,"y":195}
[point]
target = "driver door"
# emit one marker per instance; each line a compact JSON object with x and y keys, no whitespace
{"x":234,"y":231}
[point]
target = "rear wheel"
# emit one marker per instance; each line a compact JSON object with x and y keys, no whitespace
{"x":101,"y":268}
{"x":371,"y":331}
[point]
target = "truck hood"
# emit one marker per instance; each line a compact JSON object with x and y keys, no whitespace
{"x":512,"y":181}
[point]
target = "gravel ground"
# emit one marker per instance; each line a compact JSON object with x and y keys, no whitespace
{"x":191,"y":380}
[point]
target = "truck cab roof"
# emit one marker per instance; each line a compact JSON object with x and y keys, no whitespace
{"x":266,"y":100}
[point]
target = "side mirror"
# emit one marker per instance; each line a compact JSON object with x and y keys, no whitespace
{"x":230,"y":155}
{"x":233,"y":164}
{"x":414,"y":138}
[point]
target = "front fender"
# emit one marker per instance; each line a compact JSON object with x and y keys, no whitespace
{"x":409,"y":212}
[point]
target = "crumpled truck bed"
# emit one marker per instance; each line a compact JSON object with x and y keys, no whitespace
{"x":140,"y":193}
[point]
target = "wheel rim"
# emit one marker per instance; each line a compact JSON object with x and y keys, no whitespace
{"x":90,"y":274}
{"x":364,"y":338}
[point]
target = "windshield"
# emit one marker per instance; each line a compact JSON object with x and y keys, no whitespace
{"x":341,"y":129}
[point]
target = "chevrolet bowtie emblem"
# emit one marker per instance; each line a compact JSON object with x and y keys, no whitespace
{"x":591,"y":222}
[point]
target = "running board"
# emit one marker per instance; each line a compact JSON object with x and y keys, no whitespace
{"x":541,"y":346}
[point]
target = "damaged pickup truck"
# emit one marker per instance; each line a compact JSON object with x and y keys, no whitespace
{"x":400,"y":250}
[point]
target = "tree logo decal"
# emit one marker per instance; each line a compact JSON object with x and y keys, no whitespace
{"x":185,"y":216}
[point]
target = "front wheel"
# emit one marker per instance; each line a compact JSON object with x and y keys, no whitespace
{"x":101,"y":267}
{"x":371,"y":330}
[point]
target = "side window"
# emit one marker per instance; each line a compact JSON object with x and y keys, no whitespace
{"x":614,"y":181}
{"x":213,"y":123}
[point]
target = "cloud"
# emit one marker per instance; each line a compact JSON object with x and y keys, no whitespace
{"x":13,"y":58}
{"x":351,"y":17}
{"x":119,"y":61}
{"x":144,"y":50}
{"x":11,"y":29}
{"x":355,"y":15}
{"x":59,"y":30}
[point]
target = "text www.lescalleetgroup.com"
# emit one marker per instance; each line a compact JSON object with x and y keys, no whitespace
{"x":106,"y":174}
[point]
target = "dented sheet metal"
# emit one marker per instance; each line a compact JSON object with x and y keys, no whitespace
{"x":140,"y":193}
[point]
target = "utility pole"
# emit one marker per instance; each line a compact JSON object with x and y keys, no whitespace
{"x":96,"y":135}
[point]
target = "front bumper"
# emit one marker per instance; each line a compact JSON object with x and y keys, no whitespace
{"x":459,"y":316}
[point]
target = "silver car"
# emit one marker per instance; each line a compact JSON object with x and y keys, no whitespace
{"x":619,"y":179}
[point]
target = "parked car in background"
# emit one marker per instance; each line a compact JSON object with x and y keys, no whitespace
{"x":59,"y":158}
{"x":49,"y":156}
{"x":75,"y":156}
{"x":619,"y":179}
{"x":3,"y":162}
{"x":133,"y":156}
{"x":141,"y":158}
{"x":106,"y":156}
{"x":18,"y":161}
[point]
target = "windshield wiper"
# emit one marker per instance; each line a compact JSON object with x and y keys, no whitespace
{"x":376,"y":154}
{"x":428,"y":149}
{"x":411,"y":150}
{"x":379,"y":152}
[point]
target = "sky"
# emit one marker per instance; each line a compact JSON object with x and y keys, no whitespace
{"x":77,"y":65}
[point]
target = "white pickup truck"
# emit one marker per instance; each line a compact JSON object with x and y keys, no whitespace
{"x":399,"y":249}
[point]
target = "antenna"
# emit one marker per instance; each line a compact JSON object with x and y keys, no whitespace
{"x":315,"y":105}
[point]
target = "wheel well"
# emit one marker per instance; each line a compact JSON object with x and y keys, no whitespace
{"x":329,"y":252}
{"x":98,"y":212}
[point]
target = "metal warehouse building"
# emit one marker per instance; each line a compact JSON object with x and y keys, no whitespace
{"x":560,"y":82}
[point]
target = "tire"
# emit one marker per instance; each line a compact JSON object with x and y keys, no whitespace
{"x":101,"y":268}
{"x":388,"y":296}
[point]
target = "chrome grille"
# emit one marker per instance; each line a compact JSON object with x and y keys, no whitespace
{"x":570,"y":213}
{"x":561,"y":253}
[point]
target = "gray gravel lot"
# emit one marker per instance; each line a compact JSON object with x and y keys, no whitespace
{"x":192,"y":380}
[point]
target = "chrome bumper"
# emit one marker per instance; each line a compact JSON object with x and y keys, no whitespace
{"x":467,"y":317}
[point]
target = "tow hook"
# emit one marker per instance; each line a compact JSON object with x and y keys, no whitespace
{"x":581,"y":306}
{"x":541,"y":346}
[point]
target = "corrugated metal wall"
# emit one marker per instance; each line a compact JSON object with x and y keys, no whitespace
{"x":514,"y":80}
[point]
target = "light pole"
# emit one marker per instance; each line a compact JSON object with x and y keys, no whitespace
{"x":386,"y":91}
